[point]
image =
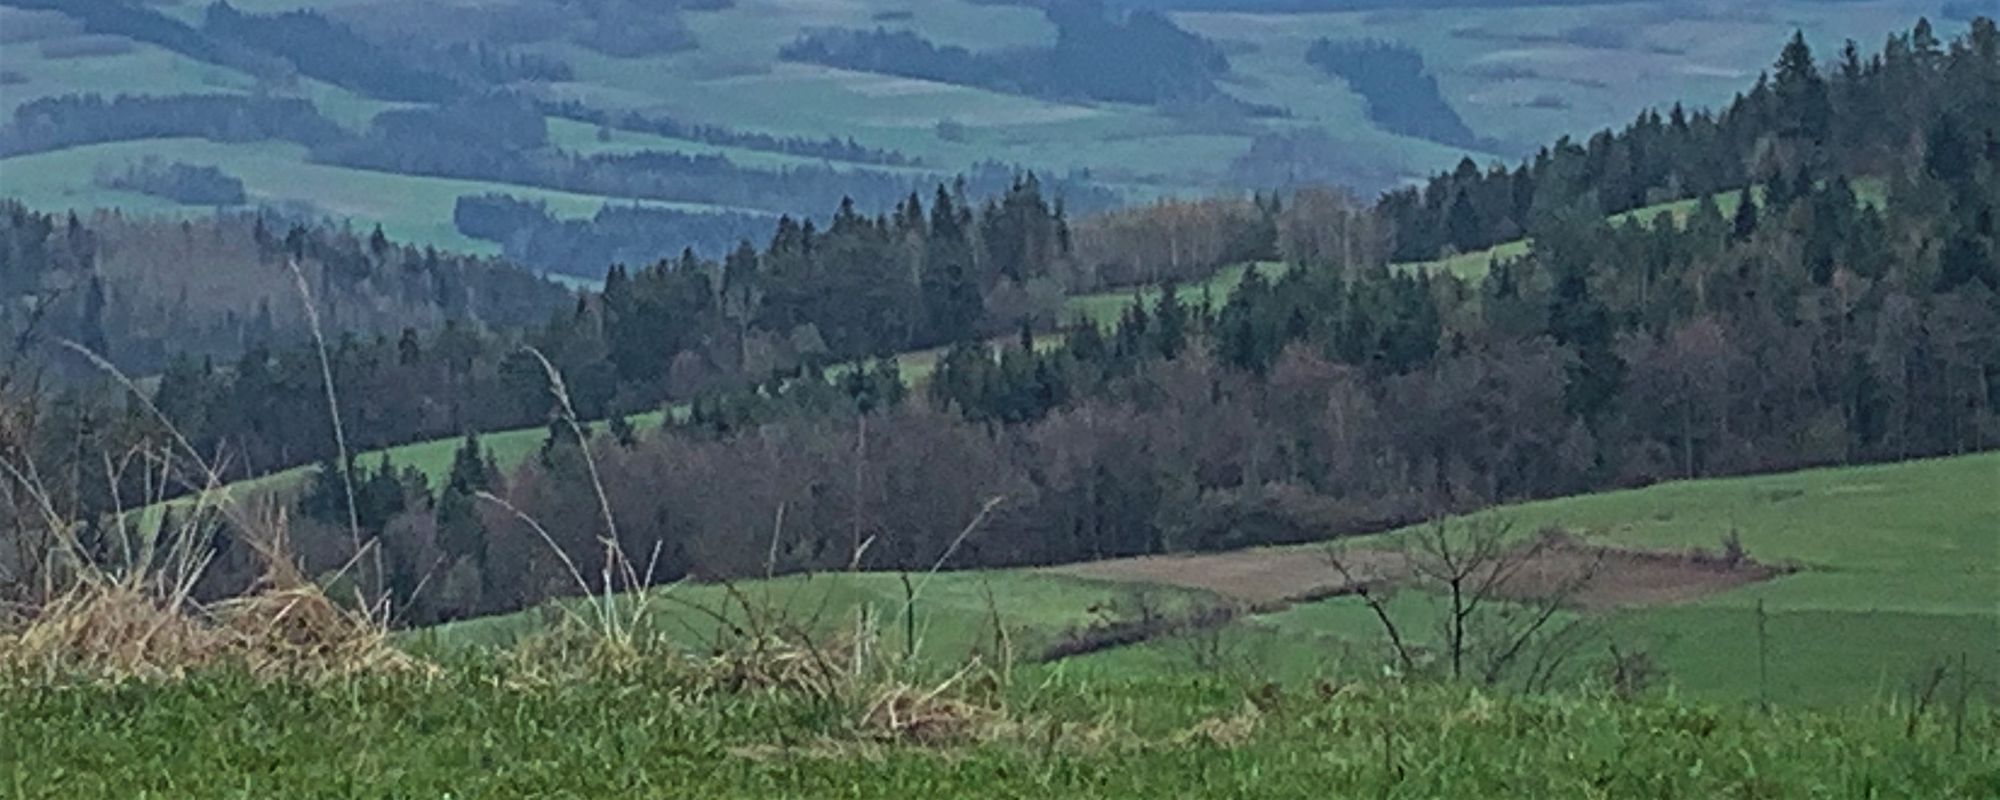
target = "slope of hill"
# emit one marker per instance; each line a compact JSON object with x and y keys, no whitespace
{"x":511,"y":447}
{"x":142,"y":291}
{"x":1898,"y":572}
{"x":1516,"y":76}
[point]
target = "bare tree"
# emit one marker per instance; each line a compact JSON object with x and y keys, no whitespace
{"x":1499,"y":600}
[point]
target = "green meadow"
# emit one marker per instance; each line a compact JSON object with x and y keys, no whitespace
{"x":412,"y":208}
{"x":1896,"y":573}
{"x":647,"y":733}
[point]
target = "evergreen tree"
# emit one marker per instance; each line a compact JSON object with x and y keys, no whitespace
{"x":470,"y":471}
{"x":1805,"y":111}
{"x":1462,"y":227}
{"x":953,"y":305}
{"x":1745,"y":224}
{"x":1580,"y":320}
{"x":1170,"y":322}
{"x":325,"y":498}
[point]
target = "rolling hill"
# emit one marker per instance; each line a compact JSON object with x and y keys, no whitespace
{"x":1897,"y":571}
{"x":509,"y":447}
{"x":1518,"y":75}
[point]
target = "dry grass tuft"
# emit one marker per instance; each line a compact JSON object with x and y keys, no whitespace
{"x":933,"y":717}
{"x":112,"y":631}
{"x":132,"y":613}
{"x":1227,"y":732}
{"x":142,"y":628}
{"x":825,"y":670}
{"x":116,"y":632}
{"x":300,"y":633}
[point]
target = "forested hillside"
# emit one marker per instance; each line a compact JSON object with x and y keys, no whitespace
{"x":1806,"y":121}
{"x":423,"y":345}
{"x":1809,"y":329}
{"x":762,"y":107}
{"x":1803,"y":328}
{"x":141,"y":292}
{"x":958,"y":398}
{"x":1402,"y":94}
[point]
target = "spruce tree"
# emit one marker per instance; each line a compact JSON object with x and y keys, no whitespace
{"x":1745,"y":224}
{"x":1170,"y":317}
{"x":468,"y":467}
{"x":1804,"y":110}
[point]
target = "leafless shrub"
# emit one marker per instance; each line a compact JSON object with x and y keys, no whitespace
{"x":1630,"y":673}
{"x":1499,"y":602}
{"x":1733,"y":554}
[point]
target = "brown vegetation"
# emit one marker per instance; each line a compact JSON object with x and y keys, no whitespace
{"x":143,"y":624}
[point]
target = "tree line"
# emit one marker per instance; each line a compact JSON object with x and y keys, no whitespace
{"x":52,"y":123}
{"x":639,"y":235}
{"x":616,"y":234}
{"x":141,"y":292}
{"x":830,"y":148}
{"x":1855,"y":118}
{"x":181,"y":182}
{"x":1402,"y":95}
{"x":422,"y":346}
{"x":1099,"y":54}
{"x":326,"y":50}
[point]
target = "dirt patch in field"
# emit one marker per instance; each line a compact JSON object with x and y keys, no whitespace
{"x":1619,"y":578}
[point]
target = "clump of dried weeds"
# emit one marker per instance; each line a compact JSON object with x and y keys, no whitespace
{"x":145,"y":625}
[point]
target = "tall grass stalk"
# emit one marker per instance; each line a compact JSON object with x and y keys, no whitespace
{"x":333,"y":413}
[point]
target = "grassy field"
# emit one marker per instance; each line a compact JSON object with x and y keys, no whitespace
{"x":410,"y":208}
{"x":950,"y":617}
{"x":1899,"y":573}
{"x":144,"y":69}
{"x":471,"y":734}
{"x":1105,"y":308}
{"x":1293,"y":707}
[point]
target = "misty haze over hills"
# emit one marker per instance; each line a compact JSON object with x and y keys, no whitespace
{"x":703,"y":120}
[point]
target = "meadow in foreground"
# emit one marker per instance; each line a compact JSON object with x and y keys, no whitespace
{"x":486,"y":731}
